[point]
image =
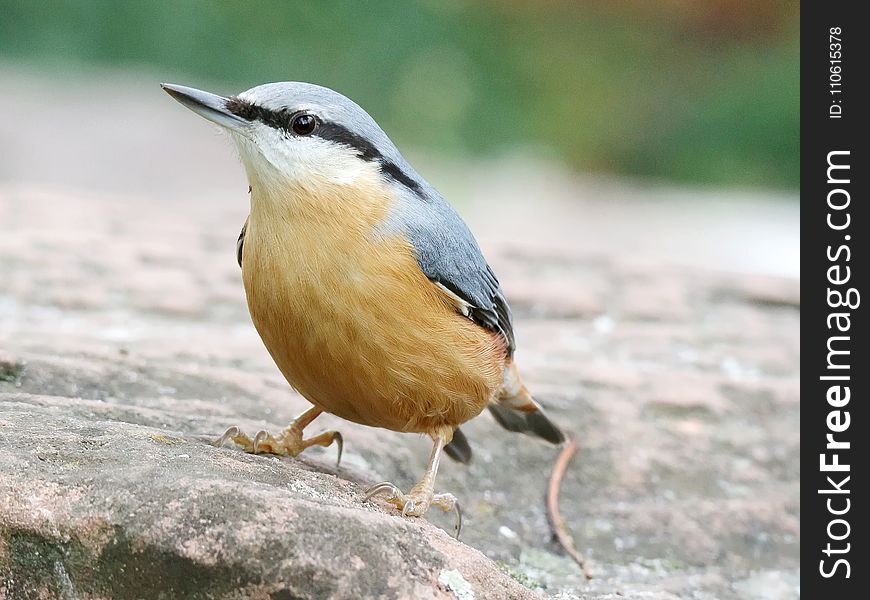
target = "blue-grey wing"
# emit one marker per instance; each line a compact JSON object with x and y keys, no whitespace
{"x":449,"y":255}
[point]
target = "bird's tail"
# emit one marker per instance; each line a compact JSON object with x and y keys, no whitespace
{"x":459,"y":449}
{"x":516,"y":410}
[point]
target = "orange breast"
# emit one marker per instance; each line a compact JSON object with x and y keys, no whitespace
{"x":357,"y":328}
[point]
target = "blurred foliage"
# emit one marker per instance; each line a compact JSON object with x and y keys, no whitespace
{"x":694,"y":91}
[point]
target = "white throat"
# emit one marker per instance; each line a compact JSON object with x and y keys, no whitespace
{"x":274,"y":159}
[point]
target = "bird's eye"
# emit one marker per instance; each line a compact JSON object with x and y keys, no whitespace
{"x":303,"y":124}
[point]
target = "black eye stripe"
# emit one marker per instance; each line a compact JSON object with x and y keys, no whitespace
{"x":283,"y":120}
{"x":279,"y":119}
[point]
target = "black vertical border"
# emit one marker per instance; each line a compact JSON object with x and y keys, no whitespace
{"x":820,"y":135}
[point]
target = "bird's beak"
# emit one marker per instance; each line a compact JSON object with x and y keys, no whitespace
{"x":207,"y":105}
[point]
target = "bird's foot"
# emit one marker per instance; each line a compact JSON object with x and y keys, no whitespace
{"x":287,"y":443}
{"x":416,"y":502}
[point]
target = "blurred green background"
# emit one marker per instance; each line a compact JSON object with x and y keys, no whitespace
{"x":700,"y":92}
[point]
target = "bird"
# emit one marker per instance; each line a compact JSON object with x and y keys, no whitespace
{"x":367,"y":288}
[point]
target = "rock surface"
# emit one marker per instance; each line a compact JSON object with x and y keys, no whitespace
{"x":125,"y":344}
{"x":98,"y":505}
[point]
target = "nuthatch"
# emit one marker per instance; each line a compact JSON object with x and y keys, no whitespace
{"x":367,"y":288}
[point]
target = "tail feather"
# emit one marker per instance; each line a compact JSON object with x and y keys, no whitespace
{"x":516,"y":410}
{"x":533,"y":422}
{"x":459,"y":449}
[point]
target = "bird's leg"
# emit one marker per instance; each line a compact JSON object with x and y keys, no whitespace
{"x":287,"y":443}
{"x":416,"y":502}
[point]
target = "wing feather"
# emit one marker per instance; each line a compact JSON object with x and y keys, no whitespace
{"x":449,"y":256}
{"x":240,"y":243}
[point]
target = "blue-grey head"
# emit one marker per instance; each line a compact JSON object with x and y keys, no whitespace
{"x":299,"y":132}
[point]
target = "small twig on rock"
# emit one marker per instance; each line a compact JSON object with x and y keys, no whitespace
{"x":554,"y":516}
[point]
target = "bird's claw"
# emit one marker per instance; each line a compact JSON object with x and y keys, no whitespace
{"x":229,"y":434}
{"x":339,"y":442}
{"x":416,"y":503}
{"x":287,"y":443}
{"x":260,"y":437}
{"x":384,"y":486}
